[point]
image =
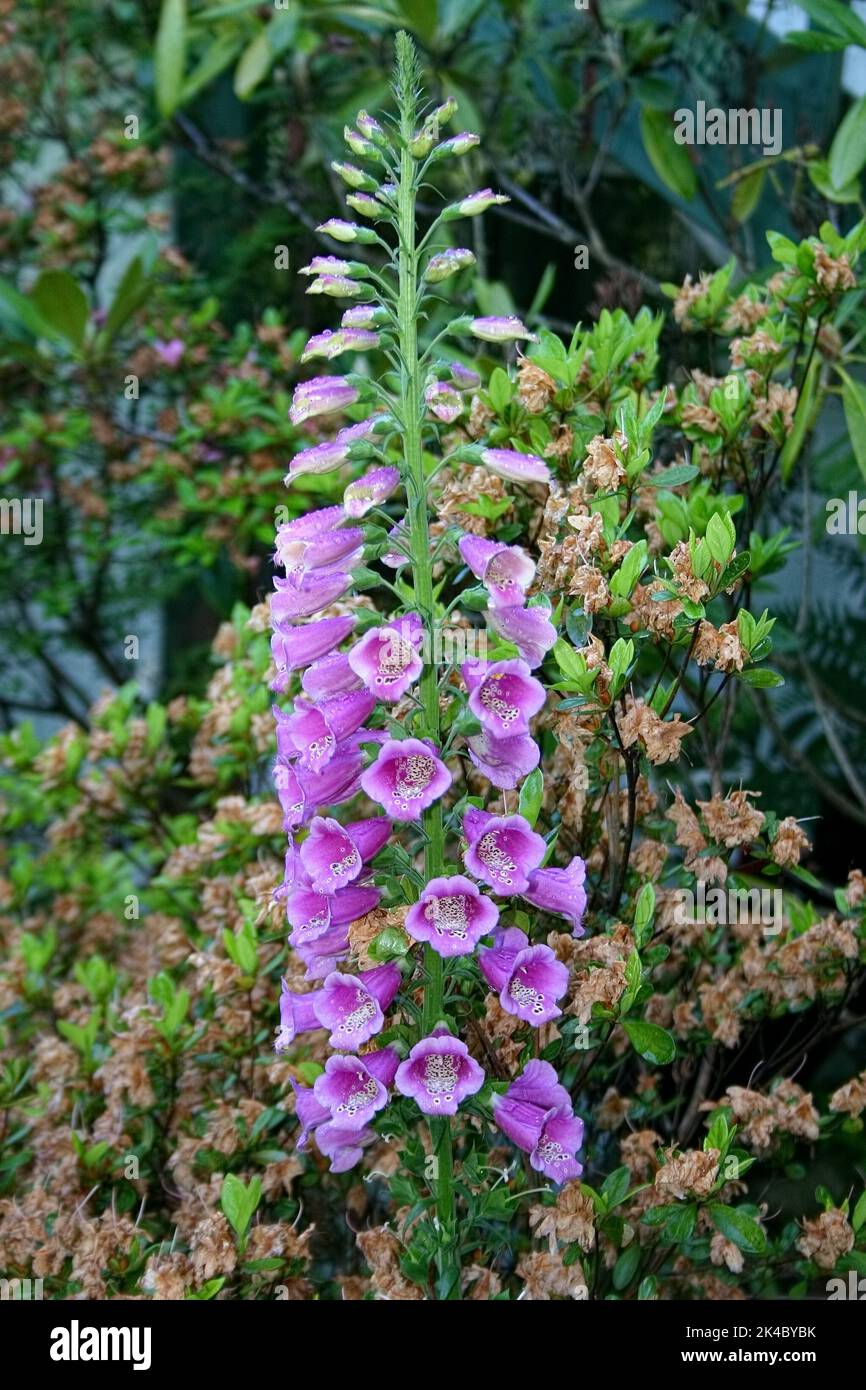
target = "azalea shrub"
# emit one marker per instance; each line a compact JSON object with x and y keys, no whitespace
{"x":567,"y":1010}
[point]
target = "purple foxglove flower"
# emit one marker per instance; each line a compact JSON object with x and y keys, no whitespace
{"x":325,"y":954}
{"x":290,"y":794}
{"x":169,"y":353}
{"x":452,"y":915}
{"x":295,"y":647}
{"x":352,"y":1005}
{"x":444,"y":402}
{"x":365,"y":315}
{"x":504,"y":761}
{"x":406,"y":778}
{"x":343,"y":1147}
{"x":331,"y":675}
{"x":536,"y":1114}
{"x":516,"y":467}
{"x":464,"y":377}
{"x":333,"y":855}
{"x":447,"y":263}
{"x":399,"y":556}
{"x":311,"y":915}
{"x":501,"y":850}
{"x":311,"y":524}
{"x":560,"y":891}
{"x":358,"y":144}
{"x":479,"y":202}
{"x":503,"y":696}
{"x":439,"y":1074}
{"x":322,"y":552}
{"x":530,"y":629}
{"x":314,"y":731}
{"x":529,"y":978}
{"x":338,"y":781}
{"x":321,"y":396}
{"x":297,"y":1015}
{"x":370,"y":490}
{"x":386,"y":658}
{"x":337,"y":287}
{"x":330,"y":344}
{"x":341,"y":230}
{"x":501,"y":328}
{"x":506,"y":571}
{"x":353,"y":1089}
{"x":309,"y":1112}
{"x":315,"y":592}
{"x":366,"y":206}
{"x":326,"y":265}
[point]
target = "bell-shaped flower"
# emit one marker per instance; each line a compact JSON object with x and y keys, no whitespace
{"x":352,"y":1006}
{"x":530,"y":629}
{"x":370,"y":490}
{"x":297,"y":1015}
{"x":501,"y":328}
{"x":315,"y":592}
{"x":406,"y":778}
{"x":503,"y":696}
{"x":313,"y":732}
{"x":514,"y":466}
{"x":560,"y":891}
{"x":322,"y":395}
{"x":387,"y":659}
{"x":528,"y":979}
{"x":501,"y":850}
{"x":333,"y":855}
{"x":452,"y":915}
{"x":506,"y":571}
{"x":354,"y":1089}
{"x":536,"y":1114}
{"x":439,"y":1074}
{"x":504,"y":761}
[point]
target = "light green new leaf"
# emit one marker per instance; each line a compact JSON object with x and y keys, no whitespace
{"x":854,"y":403}
{"x":62,"y":303}
{"x":170,"y":55}
{"x":848,"y":150}
{"x":670,"y":160}
{"x":651,"y":1042}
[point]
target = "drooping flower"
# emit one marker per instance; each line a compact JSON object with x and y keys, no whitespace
{"x":326,"y":265}
{"x":341,"y":230}
{"x":326,"y":551}
{"x":530,"y":629}
{"x":501,"y":850}
{"x":444,"y":402}
{"x":479,"y":202}
{"x":536,"y":1114}
{"x":504,"y":761}
{"x":337,"y":286}
{"x":330,"y":344}
{"x":341,"y":1144}
{"x":501,"y":328}
{"x":452,"y":915}
{"x":338,"y":780}
{"x":315,"y":592}
{"x":387,"y":659}
{"x":352,"y":1006}
{"x":365,"y":315}
{"x":311,"y":524}
{"x":516,"y":467}
{"x":465,"y":378}
{"x":324,"y":458}
{"x":329,"y":675}
{"x":406,"y":778}
{"x":354,"y":1089}
{"x":439,"y":1074}
{"x":299,"y":645}
{"x":503,"y":696}
{"x":447,"y":263}
{"x":313,"y":732}
{"x":333,"y":854}
{"x":370,"y":490}
{"x":297,"y":1015}
{"x":312,"y":915}
{"x":321,"y":396}
{"x":560,"y":891}
{"x":529,"y":979}
{"x":506,"y":571}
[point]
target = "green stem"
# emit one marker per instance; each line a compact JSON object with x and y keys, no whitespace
{"x":448,"y":1282}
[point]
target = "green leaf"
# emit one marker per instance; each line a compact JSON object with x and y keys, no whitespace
{"x":838,"y":18}
{"x":170,"y":55}
{"x":854,"y":403}
{"x":651,"y":1042}
{"x":675,"y":476}
{"x":531,"y":794}
{"x":254,"y":65}
{"x":859,"y":1213}
{"x":814,"y":42}
{"x":761,"y":678}
{"x":626,"y":1266}
{"x":62,"y":303}
{"x":239,"y":1201}
{"x":25,"y":312}
{"x":848,"y":150}
{"x":802,"y":421}
{"x":615,"y":1187}
{"x":643,"y":914}
{"x":129,"y":296}
{"x":747,"y":194}
{"x":670,"y":160}
{"x":736,"y":1226}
